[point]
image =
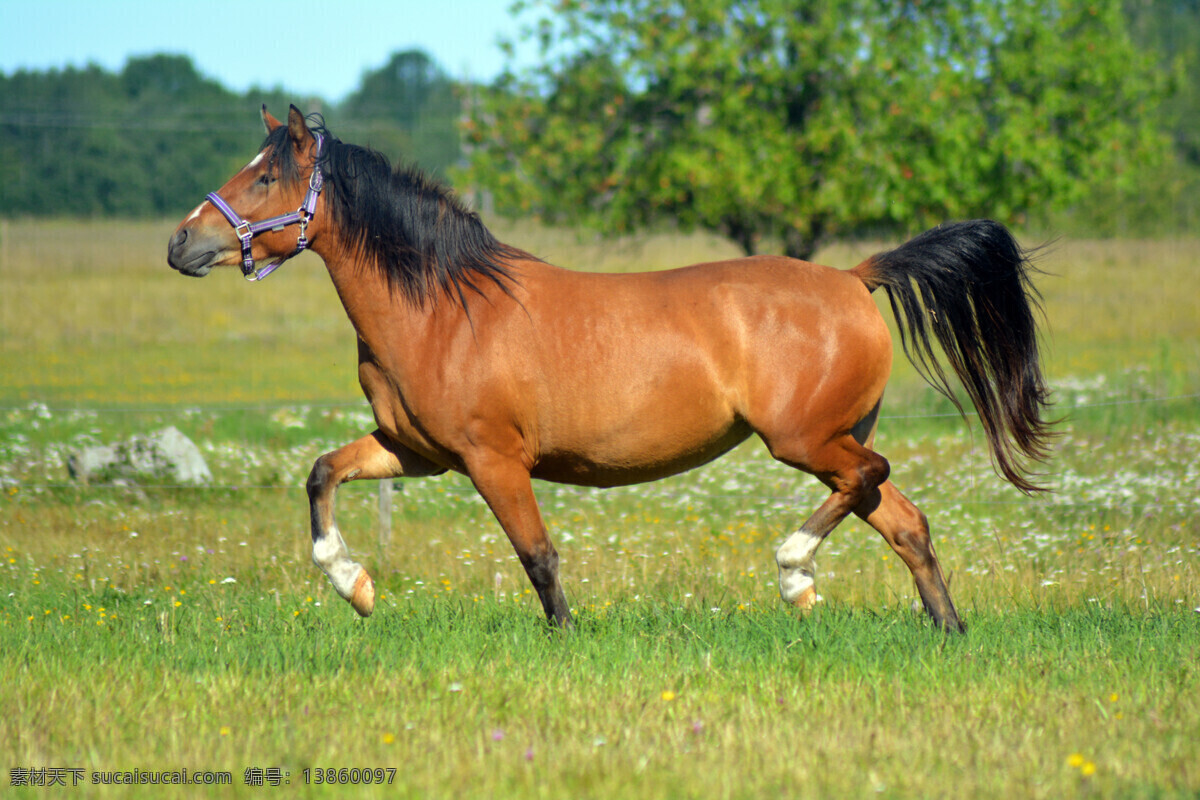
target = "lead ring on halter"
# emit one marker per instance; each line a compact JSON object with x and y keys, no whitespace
{"x":246,"y":230}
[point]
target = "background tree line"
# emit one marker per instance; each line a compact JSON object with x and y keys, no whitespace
{"x":778,"y":124}
{"x":155,"y":137}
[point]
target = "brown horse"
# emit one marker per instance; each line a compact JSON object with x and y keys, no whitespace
{"x":480,"y":358}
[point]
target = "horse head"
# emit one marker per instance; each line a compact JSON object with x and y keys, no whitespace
{"x":246,"y":220}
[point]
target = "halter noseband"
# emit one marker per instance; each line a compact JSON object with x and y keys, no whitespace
{"x":246,"y":230}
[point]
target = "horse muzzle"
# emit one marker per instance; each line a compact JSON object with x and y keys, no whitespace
{"x":194,"y":254}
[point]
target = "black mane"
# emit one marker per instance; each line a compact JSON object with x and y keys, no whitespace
{"x":414,"y":230}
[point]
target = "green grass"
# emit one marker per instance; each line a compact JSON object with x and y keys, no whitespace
{"x":154,"y":627}
{"x":647,"y":699}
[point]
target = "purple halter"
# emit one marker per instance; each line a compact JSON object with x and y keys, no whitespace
{"x":246,"y":230}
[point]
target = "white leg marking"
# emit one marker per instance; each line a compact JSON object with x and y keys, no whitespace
{"x":332,"y":556}
{"x":796,"y":566}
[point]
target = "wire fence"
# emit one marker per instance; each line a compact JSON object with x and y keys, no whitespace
{"x":387,"y":487}
{"x":363,"y":405}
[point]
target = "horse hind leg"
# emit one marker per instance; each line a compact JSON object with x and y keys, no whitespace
{"x":371,"y":457}
{"x":906,"y":529}
{"x":852,"y":471}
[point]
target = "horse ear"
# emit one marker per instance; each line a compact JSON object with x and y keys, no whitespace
{"x":298,"y":128}
{"x":269,"y":122}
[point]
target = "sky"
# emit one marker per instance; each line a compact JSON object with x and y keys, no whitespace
{"x":307,"y":47}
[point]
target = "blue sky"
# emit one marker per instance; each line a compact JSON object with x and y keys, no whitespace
{"x":303,"y":46}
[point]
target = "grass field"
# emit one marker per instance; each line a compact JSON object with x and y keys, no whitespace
{"x":159,"y":628}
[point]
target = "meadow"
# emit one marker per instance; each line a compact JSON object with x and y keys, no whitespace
{"x":161,"y":628}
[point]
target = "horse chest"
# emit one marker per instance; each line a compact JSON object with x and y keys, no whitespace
{"x":397,"y":416}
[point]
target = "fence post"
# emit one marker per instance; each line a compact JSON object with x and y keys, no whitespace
{"x":385,"y":513}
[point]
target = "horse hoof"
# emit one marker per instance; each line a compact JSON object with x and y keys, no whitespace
{"x":363,"y":596}
{"x":807,"y":600}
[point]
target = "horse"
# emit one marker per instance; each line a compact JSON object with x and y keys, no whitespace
{"x":480,"y":358}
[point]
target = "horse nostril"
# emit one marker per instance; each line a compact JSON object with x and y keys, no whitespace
{"x":180,"y":238}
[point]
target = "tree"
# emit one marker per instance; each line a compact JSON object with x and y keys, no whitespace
{"x":797,"y":121}
{"x":150,"y":140}
{"x":408,"y":106}
{"x":1172,"y":28}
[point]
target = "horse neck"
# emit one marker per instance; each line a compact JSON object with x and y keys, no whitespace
{"x":376,"y":310}
{"x":401,"y":333}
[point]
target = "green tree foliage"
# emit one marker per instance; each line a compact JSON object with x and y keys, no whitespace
{"x":1165,"y":199}
{"x":796,"y":121}
{"x":409,"y":109}
{"x":1171,"y":28}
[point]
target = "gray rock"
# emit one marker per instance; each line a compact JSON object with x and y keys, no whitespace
{"x":91,"y":462}
{"x":163,"y":456}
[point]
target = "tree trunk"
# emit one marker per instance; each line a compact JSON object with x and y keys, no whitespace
{"x":743,"y":234}
{"x":800,"y":244}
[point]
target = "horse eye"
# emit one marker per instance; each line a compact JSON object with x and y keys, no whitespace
{"x":266,"y":179}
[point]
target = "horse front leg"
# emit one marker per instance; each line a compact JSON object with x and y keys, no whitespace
{"x":505,"y":486}
{"x":372,"y":457}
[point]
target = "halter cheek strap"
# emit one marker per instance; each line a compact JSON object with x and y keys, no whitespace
{"x":246,"y":230}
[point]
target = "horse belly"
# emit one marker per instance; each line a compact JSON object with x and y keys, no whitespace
{"x":636,"y":431}
{"x":655,"y":457}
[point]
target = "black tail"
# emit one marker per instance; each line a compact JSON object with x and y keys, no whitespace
{"x":970,"y":282}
